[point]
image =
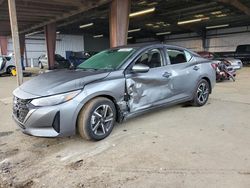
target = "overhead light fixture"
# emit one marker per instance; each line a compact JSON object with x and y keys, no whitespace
{"x":165,"y":25}
{"x":217,"y":26}
{"x":189,"y":21}
{"x":33,"y":33}
{"x":192,"y":21}
{"x":86,"y":25}
{"x":199,"y":16}
{"x":163,"y":33}
{"x":216,"y":12}
{"x":58,"y":32}
{"x":98,"y":36}
{"x":156,"y":26}
{"x":221,"y":15}
{"x":139,"y":13}
{"x":129,"y":37}
{"x":142,"y":2}
{"x":152,"y":4}
{"x":134,"y":30}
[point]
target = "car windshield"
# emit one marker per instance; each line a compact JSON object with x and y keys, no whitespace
{"x":108,"y":59}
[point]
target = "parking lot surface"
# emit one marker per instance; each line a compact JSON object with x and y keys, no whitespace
{"x":179,"y":146}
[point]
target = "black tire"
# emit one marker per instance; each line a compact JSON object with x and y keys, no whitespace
{"x":201,"y":93}
{"x":8,"y":69}
{"x":40,"y":65}
{"x":91,"y":122}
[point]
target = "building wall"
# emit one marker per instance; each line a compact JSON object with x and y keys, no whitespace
{"x":36,"y":46}
{"x":220,"y":40}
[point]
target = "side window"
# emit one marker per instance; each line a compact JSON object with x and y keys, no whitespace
{"x":188,"y":56}
{"x":151,"y":58}
{"x":176,"y":56}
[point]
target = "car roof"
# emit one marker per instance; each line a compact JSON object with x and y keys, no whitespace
{"x":143,"y":45}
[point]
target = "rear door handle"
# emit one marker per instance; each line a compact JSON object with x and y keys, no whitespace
{"x":167,"y":74}
{"x":196,"y":68}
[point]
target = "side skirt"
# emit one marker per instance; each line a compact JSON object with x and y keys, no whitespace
{"x":168,"y":104}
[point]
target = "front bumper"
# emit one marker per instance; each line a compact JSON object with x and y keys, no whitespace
{"x":50,"y":121}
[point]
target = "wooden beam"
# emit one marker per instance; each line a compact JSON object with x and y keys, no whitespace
{"x":50,"y":34}
{"x":237,"y":4}
{"x":3,"y":45}
{"x":15,"y":39}
{"x":118,"y":22}
{"x":86,"y":6}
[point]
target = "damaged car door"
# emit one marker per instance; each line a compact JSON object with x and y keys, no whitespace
{"x":185,"y":72}
{"x":147,"y":82}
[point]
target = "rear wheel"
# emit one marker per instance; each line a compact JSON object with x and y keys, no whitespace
{"x":9,"y":69}
{"x":96,"y":120}
{"x":201,"y":94}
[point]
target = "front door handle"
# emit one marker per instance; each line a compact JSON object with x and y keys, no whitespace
{"x":167,"y":74}
{"x":196,"y":68}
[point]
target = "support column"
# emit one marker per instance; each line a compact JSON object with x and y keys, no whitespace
{"x":118,"y":22}
{"x":22,"y":47}
{"x":15,"y":39}
{"x":50,"y":33}
{"x":204,"y":40}
{"x":3,"y":45}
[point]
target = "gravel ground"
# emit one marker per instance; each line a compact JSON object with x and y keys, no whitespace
{"x":178,"y":146}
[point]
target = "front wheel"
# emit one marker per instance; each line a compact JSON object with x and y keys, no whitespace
{"x":201,"y":93}
{"x":96,"y":120}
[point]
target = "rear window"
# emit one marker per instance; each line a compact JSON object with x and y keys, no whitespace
{"x":176,"y":56}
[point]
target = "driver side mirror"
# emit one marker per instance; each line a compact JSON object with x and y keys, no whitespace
{"x":140,"y":68}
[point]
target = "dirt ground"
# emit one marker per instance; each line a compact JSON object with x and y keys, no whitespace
{"x":173,"y":147}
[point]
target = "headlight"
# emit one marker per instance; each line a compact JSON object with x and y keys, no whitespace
{"x":55,"y":99}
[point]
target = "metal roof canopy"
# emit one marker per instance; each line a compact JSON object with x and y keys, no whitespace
{"x":32,"y":15}
{"x":169,"y":16}
{"x":165,"y":18}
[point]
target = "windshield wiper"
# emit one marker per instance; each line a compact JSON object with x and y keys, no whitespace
{"x":88,"y":69}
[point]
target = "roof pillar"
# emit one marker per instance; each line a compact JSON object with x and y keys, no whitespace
{"x":3,"y":45}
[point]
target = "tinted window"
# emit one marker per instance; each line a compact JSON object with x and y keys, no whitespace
{"x":108,"y":59}
{"x":150,"y":58}
{"x":8,"y":58}
{"x":176,"y":56}
{"x":243,"y":48}
{"x":188,"y":56}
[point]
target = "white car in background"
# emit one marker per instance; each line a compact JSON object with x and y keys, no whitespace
{"x":6,"y":64}
{"x":234,"y":63}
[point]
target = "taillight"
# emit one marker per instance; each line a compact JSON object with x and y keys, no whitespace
{"x":214,"y":65}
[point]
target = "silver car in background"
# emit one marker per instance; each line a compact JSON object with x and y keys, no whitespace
{"x":110,"y":87}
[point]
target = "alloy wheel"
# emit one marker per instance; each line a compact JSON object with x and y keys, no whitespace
{"x":102,"y":120}
{"x":202,"y":93}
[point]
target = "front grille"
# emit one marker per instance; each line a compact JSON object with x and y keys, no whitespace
{"x":20,"y":109}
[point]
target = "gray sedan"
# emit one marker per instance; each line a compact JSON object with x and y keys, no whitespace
{"x":110,"y":87}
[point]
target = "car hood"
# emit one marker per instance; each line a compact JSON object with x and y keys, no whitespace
{"x":61,"y":81}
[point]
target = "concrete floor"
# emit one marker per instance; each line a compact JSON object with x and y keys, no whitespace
{"x":173,"y":147}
